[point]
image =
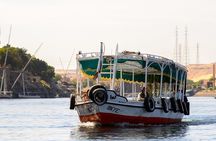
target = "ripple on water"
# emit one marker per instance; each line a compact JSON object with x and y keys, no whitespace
{"x":51,"y":119}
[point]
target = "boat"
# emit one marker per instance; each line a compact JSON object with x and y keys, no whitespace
{"x":129,"y":87}
{"x":4,"y":92}
{"x":25,"y":94}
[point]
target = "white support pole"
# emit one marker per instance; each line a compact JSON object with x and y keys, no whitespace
{"x":132,"y":81}
{"x":176,"y":81}
{"x":121,"y":93}
{"x":79,"y":83}
{"x":123,"y":89}
{"x":170,"y":84}
{"x":161,"y":81}
{"x":146,"y":75}
{"x":111,"y":73}
{"x":115,"y":67}
{"x":100,"y":63}
{"x":77,"y":74}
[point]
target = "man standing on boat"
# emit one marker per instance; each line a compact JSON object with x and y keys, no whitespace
{"x":180,"y":95}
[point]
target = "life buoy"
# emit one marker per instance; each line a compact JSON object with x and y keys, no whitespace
{"x":90,"y":95}
{"x":173,"y":104}
{"x":149,"y":104}
{"x":72,"y":102}
{"x":99,"y":96}
{"x":165,"y":105}
{"x":180,"y":106}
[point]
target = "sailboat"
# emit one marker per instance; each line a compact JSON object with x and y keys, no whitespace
{"x":26,"y":94}
{"x":4,"y":93}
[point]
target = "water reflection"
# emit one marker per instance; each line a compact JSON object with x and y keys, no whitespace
{"x":128,"y":132}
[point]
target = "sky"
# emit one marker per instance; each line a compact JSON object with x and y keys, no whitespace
{"x":68,"y":26}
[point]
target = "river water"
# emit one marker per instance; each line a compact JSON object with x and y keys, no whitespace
{"x":51,"y":120}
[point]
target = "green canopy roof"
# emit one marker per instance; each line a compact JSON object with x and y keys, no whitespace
{"x":128,"y":67}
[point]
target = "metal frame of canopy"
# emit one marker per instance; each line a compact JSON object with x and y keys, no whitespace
{"x":132,"y":67}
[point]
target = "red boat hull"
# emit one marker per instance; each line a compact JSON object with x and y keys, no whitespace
{"x":108,"y":118}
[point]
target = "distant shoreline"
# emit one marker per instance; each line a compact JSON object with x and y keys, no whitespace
{"x":206,"y":93}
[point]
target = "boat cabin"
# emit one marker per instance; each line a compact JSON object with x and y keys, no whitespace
{"x":131,"y":74}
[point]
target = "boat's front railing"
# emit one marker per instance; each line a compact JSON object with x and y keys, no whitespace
{"x":87,"y":55}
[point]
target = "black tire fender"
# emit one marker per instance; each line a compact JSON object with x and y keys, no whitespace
{"x":188,"y":107}
{"x":165,"y":105}
{"x":149,"y":104}
{"x":72,"y":102}
{"x":185,"y":99}
{"x":99,"y":96}
{"x":185,"y":108}
{"x":173,"y":104}
{"x":180,"y":106}
{"x":91,"y":90}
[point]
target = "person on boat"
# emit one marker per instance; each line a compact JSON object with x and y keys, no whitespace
{"x":141,"y":96}
{"x":172,"y":93}
{"x":179,"y":94}
{"x":84,"y":94}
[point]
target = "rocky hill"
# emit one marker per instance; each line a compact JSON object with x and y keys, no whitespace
{"x":37,"y":79}
{"x":198,"y":72}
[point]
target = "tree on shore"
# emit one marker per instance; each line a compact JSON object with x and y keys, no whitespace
{"x":18,"y":57}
